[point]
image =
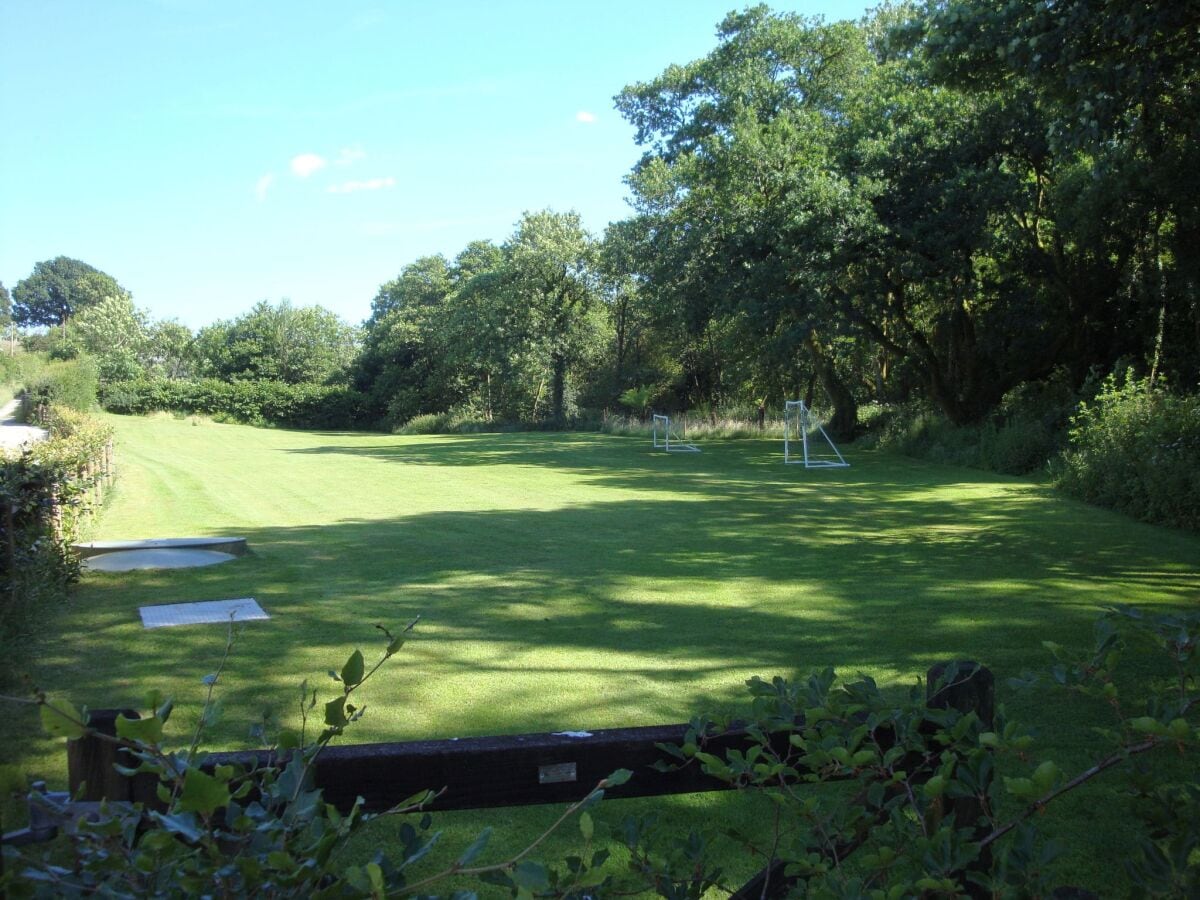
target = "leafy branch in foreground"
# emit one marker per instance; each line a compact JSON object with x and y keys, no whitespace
{"x":230,"y":830}
{"x":924,"y":808}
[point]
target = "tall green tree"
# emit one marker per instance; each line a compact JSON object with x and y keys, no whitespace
{"x":1120,"y":88}
{"x":402,"y":365}
{"x":819,"y":192}
{"x":279,"y":342}
{"x":550,"y":262}
{"x":731,"y":138}
{"x":116,"y":333}
{"x":58,"y":288}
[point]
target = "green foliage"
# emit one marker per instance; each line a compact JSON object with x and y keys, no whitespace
{"x":114,"y":332}
{"x":231,"y":830}
{"x":639,"y":399}
{"x":70,"y":383}
{"x":931,"y":814}
{"x":503,"y":334}
{"x":303,"y":405}
{"x":1024,"y":434}
{"x":47,"y":493}
{"x":58,"y":288}
{"x":280,"y":342}
{"x":1136,"y":448}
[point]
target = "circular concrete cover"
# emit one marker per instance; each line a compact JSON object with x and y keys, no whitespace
{"x":161,"y":558}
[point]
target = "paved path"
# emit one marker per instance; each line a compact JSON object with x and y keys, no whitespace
{"x":12,"y":433}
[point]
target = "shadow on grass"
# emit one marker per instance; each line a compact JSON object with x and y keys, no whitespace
{"x":680,"y":576}
{"x":724,"y":565}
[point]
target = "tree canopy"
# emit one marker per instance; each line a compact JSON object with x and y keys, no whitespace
{"x":278,"y":342}
{"x":58,"y":288}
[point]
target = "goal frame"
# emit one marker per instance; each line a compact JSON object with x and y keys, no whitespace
{"x":798,"y":417}
{"x":663,"y":437}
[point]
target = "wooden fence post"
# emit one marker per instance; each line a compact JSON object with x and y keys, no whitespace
{"x":965,"y":686}
{"x":90,"y":760}
{"x":973,"y":689}
{"x":56,"y":513}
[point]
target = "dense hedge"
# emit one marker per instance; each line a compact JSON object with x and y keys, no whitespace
{"x":47,"y":493}
{"x":1136,"y":449}
{"x":65,"y":383}
{"x":252,"y":402}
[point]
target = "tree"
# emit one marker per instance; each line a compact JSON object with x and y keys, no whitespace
{"x":169,"y":351}
{"x":550,"y":261}
{"x":732,"y":140}
{"x":58,"y":288}
{"x":1121,"y":91}
{"x":5,"y":306}
{"x":815,"y":198}
{"x":279,"y":342}
{"x":116,"y":334}
{"x":402,"y":367}
{"x":424,"y":282}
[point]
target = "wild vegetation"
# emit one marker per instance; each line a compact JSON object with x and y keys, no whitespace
{"x":49,"y":493}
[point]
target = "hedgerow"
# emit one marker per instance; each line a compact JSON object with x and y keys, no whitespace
{"x":66,"y":383}
{"x":249,"y":402}
{"x":48,"y":492}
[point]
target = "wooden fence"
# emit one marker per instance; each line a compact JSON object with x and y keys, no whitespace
{"x":487,"y":772}
{"x":71,"y":494}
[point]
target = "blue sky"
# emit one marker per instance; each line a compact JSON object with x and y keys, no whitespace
{"x":209,"y":155}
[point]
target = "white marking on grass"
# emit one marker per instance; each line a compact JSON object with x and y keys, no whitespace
{"x":205,"y":612}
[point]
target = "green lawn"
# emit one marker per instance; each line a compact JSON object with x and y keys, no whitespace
{"x":574,"y":581}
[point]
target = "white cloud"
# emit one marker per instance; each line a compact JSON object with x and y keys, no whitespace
{"x":263,"y":185}
{"x":348,"y":156}
{"x":584,"y":116}
{"x":306,"y":164}
{"x":371,"y":184}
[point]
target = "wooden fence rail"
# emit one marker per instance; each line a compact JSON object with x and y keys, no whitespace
{"x":487,"y":772}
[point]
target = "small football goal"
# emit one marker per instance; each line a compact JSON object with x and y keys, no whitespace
{"x":805,"y":441}
{"x":666,"y":438}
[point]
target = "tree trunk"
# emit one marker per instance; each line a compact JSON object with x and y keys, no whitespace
{"x":558,"y":387}
{"x":844,"y":422}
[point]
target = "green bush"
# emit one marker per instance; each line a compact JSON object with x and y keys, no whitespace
{"x":1024,"y":434}
{"x":70,"y":383}
{"x":426,"y":423}
{"x":47,"y":491}
{"x":251,"y":402}
{"x":1136,"y":449}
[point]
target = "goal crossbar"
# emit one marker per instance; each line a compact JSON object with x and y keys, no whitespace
{"x":816,"y":449}
{"x":666,"y":439}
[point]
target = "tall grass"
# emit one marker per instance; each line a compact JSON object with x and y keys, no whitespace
{"x":718,"y":426}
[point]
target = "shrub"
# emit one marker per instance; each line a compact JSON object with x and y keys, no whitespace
{"x":931,"y":815}
{"x":251,"y":402}
{"x":1024,"y":434}
{"x":70,"y":383}
{"x":426,"y":423}
{"x":1136,"y":449}
{"x":47,"y":493}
